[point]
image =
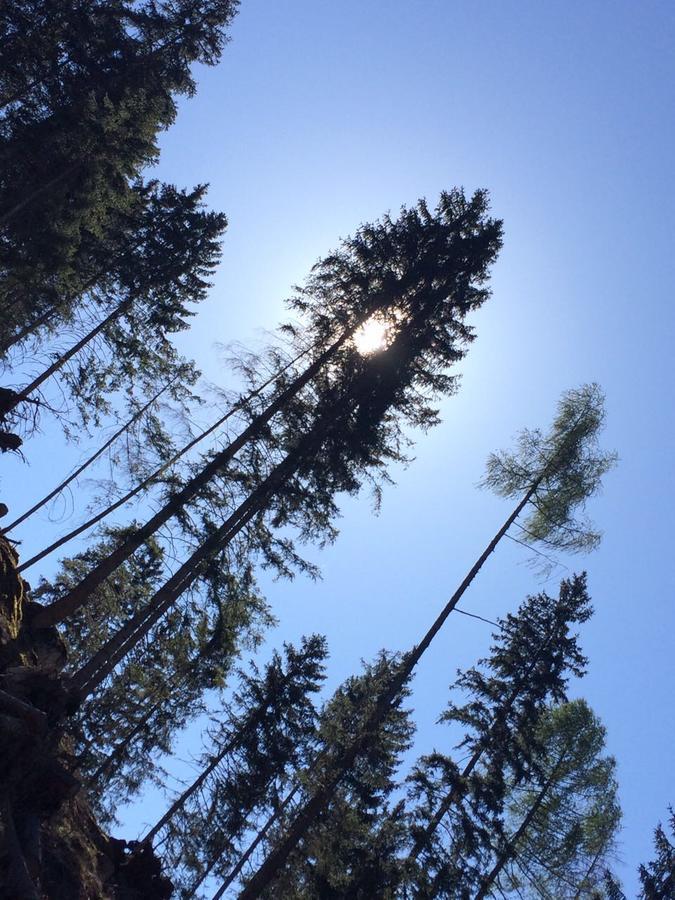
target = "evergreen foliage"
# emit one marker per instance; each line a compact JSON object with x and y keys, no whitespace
{"x":341,"y":420}
{"x":257,"y":739}
{"x":563,"y":468}
{"x":123,"y":729}
{"x":570,"y":838}
{"x":123,"y":346}
{"x":85,"y":89}
{"x":100,"y":266}
{"x":657,"y":877}
{"x":352,"y":848}
{"x":533,"y":655}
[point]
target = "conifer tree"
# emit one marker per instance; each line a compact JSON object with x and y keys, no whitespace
{"x":423,"y":272}
{"x":353,"y":849}
{"x":152,"y":478}
{"x":259,"y":738}
{"x":85,"y":90}
{"x":533,"y":655}
{"x":561,"y":823}
{"x":657,"y":877}
{"x":132,"y":718}
{"x":137,"y":304}
{"x":557,"y":472}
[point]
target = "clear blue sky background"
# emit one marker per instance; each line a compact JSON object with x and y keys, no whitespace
{"x":323,"y":115}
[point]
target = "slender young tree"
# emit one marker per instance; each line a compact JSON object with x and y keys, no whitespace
{"x":144,"y":299}
{"x":533,"y":655}
{"x":558,"y":472}
{"x":125,"y":429}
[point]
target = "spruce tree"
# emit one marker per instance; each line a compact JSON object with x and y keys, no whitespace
{"x":657,"y":877}
{"x":260,"y":736}
{"x":352,"y":849}
{"x":85,"y":90}
{"x":533,"y":655}
{"x":341,"y":419}
{"x":135,"y":715}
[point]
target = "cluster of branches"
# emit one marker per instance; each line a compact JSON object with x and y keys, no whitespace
{"x":141,"y":696}
{"x":537,"y":775}
{"x":99,"y":265}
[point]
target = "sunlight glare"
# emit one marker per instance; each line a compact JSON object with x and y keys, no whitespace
{"x":372,"y":336}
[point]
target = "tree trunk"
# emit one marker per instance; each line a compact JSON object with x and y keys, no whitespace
{"x":277,"y":858}
{"x":147,"y":482}
{"x":68,"y":355}
{"x":251,"y":848}
{"x":456,"y":791}
{"x":71,"y":602}
{"x":211,"y":767}
{"x":64,"y":484}
{"x":115,"y":755}
{"x":27,"y":330}
{"x":510,"y":848}
{"x":102,"y":663}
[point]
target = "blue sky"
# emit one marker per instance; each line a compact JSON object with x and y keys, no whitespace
{"x":325,"y":115}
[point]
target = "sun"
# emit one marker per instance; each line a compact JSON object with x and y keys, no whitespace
{"x":372,"y":336}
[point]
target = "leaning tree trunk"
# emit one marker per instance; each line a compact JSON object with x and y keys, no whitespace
{"x":59,"y":363}
{"x":229,"y":746}
{"x":78,"y":596}
{"x":27,"y":330}
{"x":250,"y":850}
{"x":102,"y":664}
{"x":269,"y":869}
{"x":457,"y":791}
{"x":152,"y":478}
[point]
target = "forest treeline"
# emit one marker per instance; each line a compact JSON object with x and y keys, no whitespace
{"x":153,"y":617}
